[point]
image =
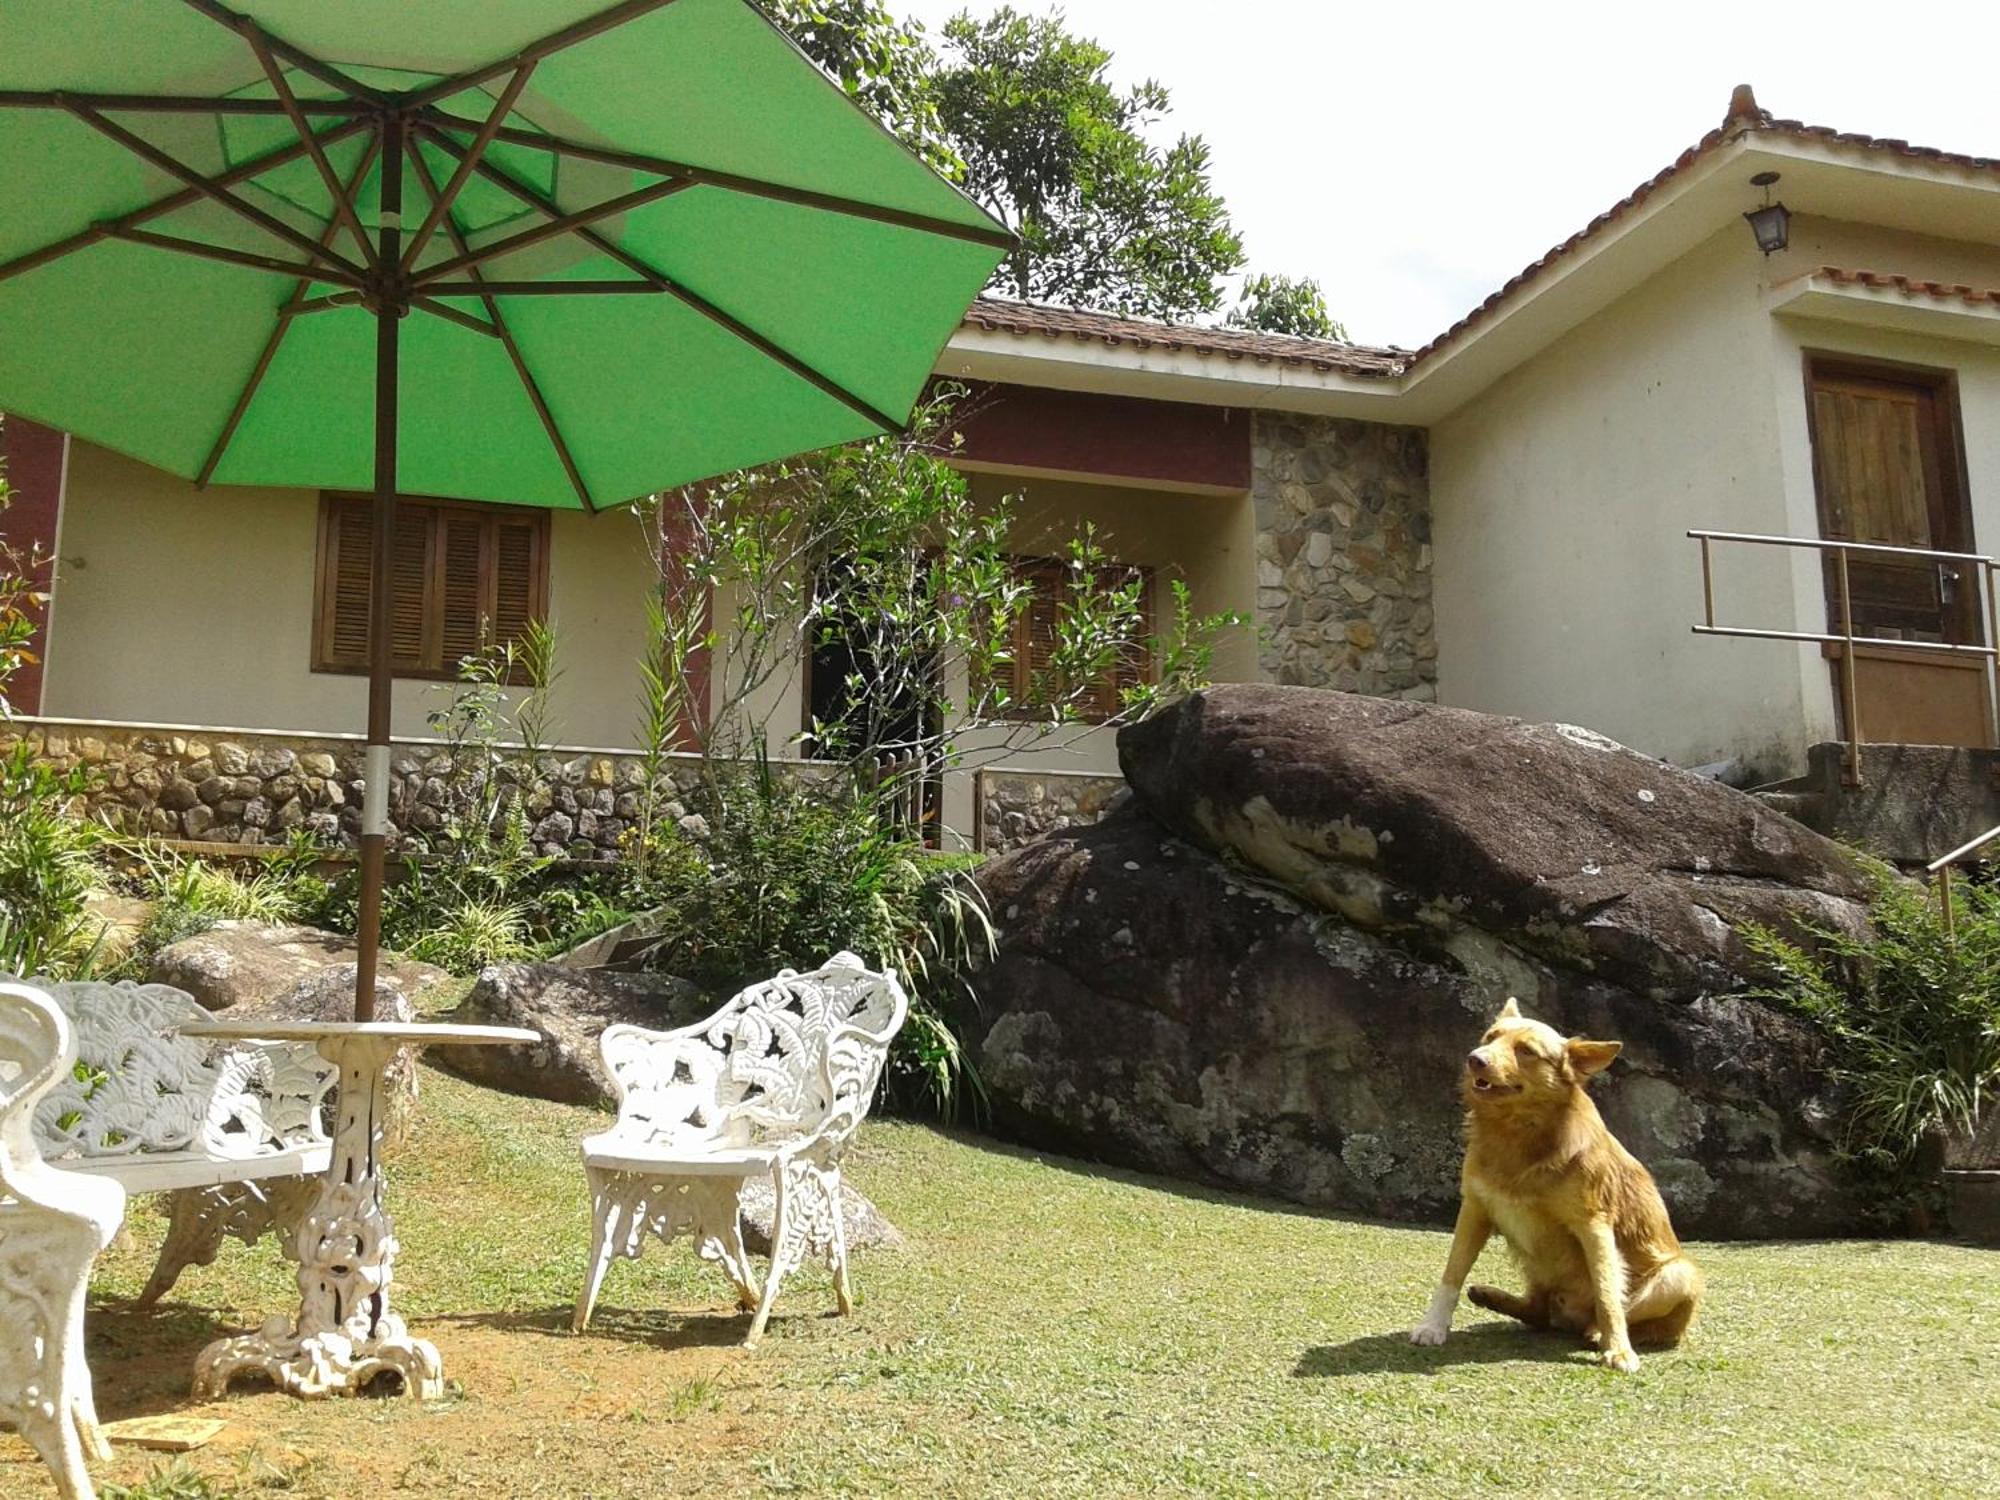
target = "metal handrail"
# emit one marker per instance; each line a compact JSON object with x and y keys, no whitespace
{"x":1826,"y":544}
{"x":1984,"y":571}
{"x":1941,"y":867}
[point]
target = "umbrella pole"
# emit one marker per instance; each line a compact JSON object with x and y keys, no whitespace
{"x":375,"y":799}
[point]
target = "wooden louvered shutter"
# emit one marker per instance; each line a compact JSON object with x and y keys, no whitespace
{"x":517,"y":574}
{"x":463,"y":574}
{"x":347,"y":565}
{"x":1035,"y":657}
{"x":461,"y":587}
{"x":345,"y":559}
{"x":412,"y":640}
{"x":1035,"y":642}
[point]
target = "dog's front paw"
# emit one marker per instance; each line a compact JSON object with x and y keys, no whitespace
{"x":1430,"y":1333}
{"x":1622,"y":1360}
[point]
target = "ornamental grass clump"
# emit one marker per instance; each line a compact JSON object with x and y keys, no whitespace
{"x":1912,"y":1016}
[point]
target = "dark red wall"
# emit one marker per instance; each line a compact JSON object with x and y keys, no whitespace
{"x":1126,"y":437}
{"x":32,"y":457}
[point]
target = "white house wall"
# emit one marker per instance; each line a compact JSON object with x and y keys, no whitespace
{"x":1565,"y":585}
{"x":186,"y":606}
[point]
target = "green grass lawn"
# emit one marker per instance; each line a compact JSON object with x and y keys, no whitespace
{"x":1053,"y":1329}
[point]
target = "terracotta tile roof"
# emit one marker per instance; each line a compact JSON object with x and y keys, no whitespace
{"x":1744,"y":117}
{"x":1027,"y":319}
{"x":1910,"y":287}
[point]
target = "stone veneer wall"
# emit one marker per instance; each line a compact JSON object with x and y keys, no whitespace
{"x":1018,"y":807}
{"x":1344,"y":555}
{"x":234,"y":787}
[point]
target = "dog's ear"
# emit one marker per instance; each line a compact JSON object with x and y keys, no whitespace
{"x":1589,"y":1057}
{"x":1511,"y":1008}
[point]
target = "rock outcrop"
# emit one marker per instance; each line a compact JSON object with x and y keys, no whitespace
{"x":233,"y":963}
{"x":570,"y":1007}
{"x":1265,"y":971}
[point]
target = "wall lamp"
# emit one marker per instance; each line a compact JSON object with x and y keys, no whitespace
{"x":1772,"y":224}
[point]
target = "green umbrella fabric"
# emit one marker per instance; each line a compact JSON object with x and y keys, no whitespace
{"x":789,"y":272}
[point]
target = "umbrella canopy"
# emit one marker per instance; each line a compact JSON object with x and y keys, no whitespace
{"x":560,"y":253}
{"x":756,"y":267}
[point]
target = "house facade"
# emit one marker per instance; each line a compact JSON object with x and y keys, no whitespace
{"x":1498,"y":520}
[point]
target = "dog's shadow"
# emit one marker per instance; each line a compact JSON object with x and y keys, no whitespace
{"x":1482,"y":1344}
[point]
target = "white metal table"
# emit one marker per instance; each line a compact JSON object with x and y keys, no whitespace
{"x":345,"y":1336}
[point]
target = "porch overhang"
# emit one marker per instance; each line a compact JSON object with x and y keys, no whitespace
{"x":1898,"y":304}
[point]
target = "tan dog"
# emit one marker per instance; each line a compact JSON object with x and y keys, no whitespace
{"x":1581,"y":1215}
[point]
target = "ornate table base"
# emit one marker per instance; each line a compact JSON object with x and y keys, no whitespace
{"x":345,"y":1339}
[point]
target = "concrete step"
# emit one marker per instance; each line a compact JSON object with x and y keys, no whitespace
{"x":1804,"y":807}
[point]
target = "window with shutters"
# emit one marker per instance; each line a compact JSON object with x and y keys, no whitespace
{"x":1030,"y":686}
{"x":463,"y":574}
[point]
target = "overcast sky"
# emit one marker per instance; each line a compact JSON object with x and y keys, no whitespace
{"x":1414,"y":156}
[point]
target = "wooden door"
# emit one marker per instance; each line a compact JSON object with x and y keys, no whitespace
{"x":1887,"y":470}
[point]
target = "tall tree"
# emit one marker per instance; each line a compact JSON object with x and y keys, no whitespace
{"x":1106,"y":218}
{"x":1023,"y":114}
{"x":1285,"y":304}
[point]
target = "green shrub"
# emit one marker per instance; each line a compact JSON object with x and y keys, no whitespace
{"x":189,"y":895}
{"x":790,"y":873}
{"x":48,"y":868}
{"x":467,"y":937}
{"x":1913,"y":1019}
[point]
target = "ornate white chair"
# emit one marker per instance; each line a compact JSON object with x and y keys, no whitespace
{"x":52,"y":1226}
{"x":235,"y":1134}
{"x":775,"y":1083}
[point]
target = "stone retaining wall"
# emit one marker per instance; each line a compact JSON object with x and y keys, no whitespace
{"x":243,"y":788}
{"x":1018,"y":807}
{"x":1344,"y":555}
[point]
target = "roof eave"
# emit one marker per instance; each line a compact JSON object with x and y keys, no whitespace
{"x":1204,"y":378}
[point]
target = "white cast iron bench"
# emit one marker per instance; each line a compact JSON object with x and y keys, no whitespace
{"x":52,"y":1226}
{"x":235,"y":1135}
{"x":773,"y":1084}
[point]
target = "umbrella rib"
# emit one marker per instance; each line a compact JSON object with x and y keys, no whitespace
{"x":231,"y":256}
{"x":171,"y":104}
{"x":769,"y":348}
{"x":146,"y":151}
{"x":999,"y":239}
{"x":343,"y":206}
{"x":441,"y":202}
{"x":298,"y":307}
{"x":506,"y":336}
{"x":563,"y":223}
{"x":554,"y":42}
{"x":270,"y":352}
{"x":240,"y":173}
{"x":438,"y":309}
{"x":304,"y":61}
{"x":552,"y":288}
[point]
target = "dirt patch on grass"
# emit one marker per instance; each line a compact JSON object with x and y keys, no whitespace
{"x":645,"y":1404}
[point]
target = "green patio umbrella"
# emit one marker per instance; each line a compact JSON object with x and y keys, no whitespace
{"x":557,"y":253}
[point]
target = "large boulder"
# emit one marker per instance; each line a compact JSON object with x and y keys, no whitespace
{"x":1413,"y":816}
{"x":235,"y":962}
{"x":1265,"y":971}
{"x":570,"y":1008}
